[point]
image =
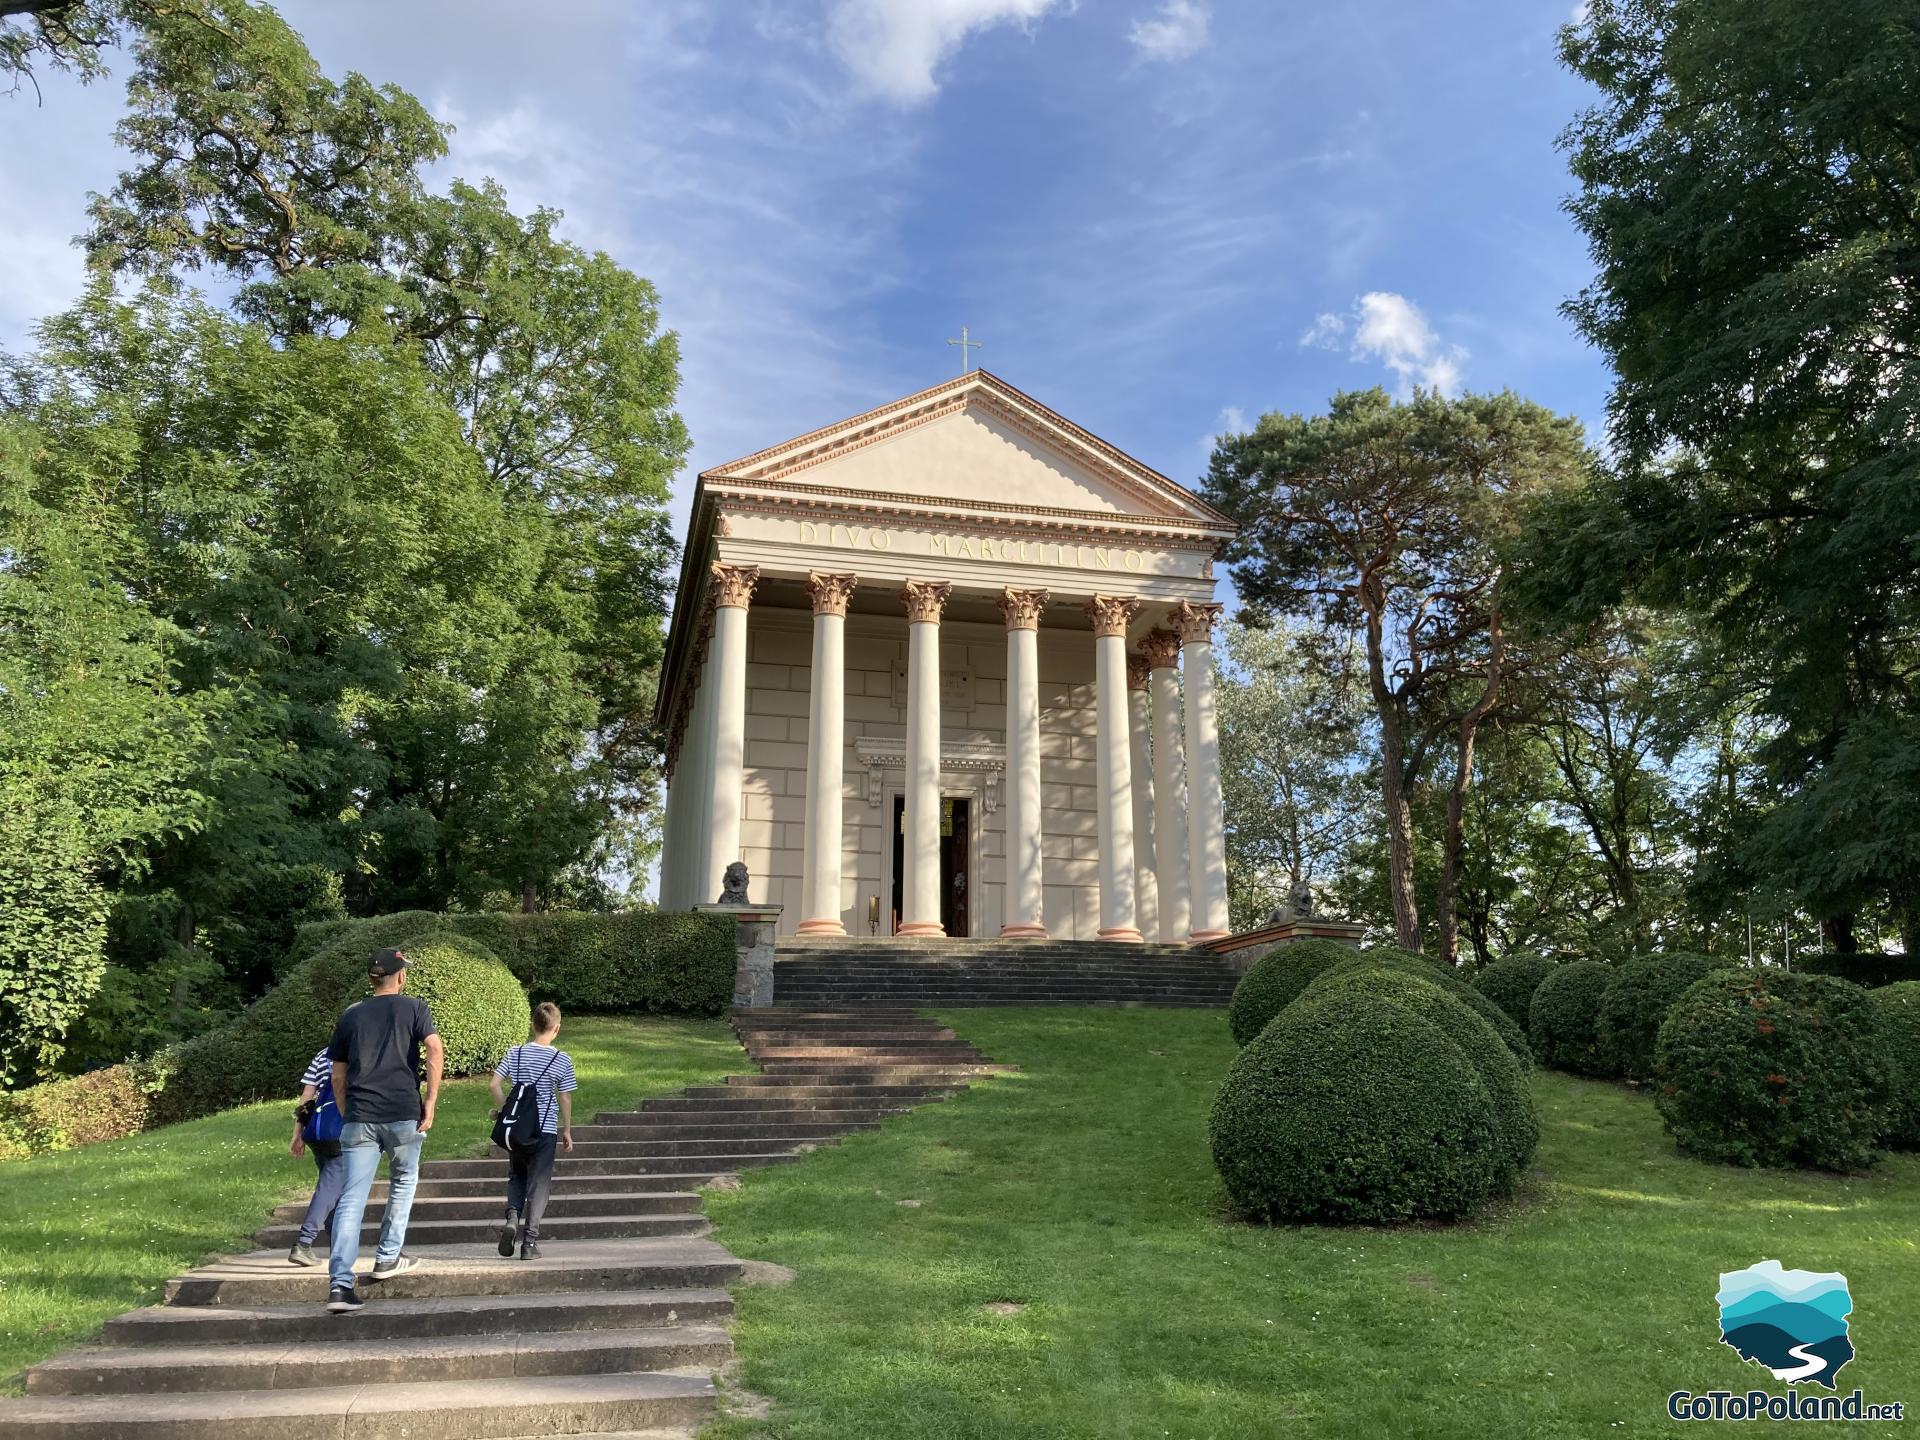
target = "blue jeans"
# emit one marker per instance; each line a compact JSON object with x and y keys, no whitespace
{"x":362,"y":1143}
{"x":326,"y":1195}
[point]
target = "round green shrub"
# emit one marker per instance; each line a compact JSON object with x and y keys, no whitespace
{"x":1500,"y":1071}
{"x":478,"y":1006}
{"x":1275,"y":979}
{"x":1899,"y":1006}
{"x":1510,"y":983}
{"x":1389,"y":958}
{"x":1634,"y":1004}
{"x":1563,"y":1018}
{"x":1766,"y":1068}
{"x":1350,"y":1108}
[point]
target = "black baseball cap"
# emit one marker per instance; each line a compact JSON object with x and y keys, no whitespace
{"x":387,"y":962}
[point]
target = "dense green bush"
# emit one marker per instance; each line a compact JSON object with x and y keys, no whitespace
{"x":1510,"y":983}
{"x":1351,"y":1108}
{"x":1761,"y":1067}
{"x":1869,"y":969}
{"x":478,"y":1007}
{"x":1505,"y":1078}
{"x":79,"y":1110}
{"x":1634,"y":1004}
{"x":1389,"y":958}
{"x":1275,"y":979}
{"x":634,"y":960}
{"x":1899,"y":1006}
{"x":1563,"y":1019}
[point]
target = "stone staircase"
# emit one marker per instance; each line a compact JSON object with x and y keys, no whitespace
{"x":896,"y":971}
{"x":617,"y":1330}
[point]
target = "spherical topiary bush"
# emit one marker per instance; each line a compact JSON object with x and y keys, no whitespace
{"x":1389,"y":958}
{"x":1634,"y":1004}
{"x":1900,"y":1017}
{"x":1510,"y":983}
{"x":478,"y":1007}
{"x":1351,"y":1108}
{"x":1761,"y":1067}
{"x":1273,"y":981}
{"x":1500,"y":1071}
{"x":1563,"y":1018}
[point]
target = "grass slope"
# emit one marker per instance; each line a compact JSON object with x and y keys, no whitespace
{"x":1081,"y":1189}
{"x":87,"y":1234}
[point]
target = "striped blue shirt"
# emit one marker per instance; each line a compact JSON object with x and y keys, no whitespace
{"x":318,"y":1069}
{"x":525,"y":1064}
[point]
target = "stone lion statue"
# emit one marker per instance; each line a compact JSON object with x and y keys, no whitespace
{"x":1299,"y":906}
{"x":733,"y":884}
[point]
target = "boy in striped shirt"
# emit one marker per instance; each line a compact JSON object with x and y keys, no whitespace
{"x":550,"y":1071}
{"x":326,"y":1157}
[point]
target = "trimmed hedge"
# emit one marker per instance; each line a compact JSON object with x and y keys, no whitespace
{"x":1389,"y":958}
{"x":632,"y":961}
{"x":1510,"y":983}
{"x":1563,"y":1020}
{"x":478,"y":1007}
{"x":1869,"y":969}
{"x":1274,"y":981}
{"x":1351,"y":1108}
{"x":1900,"y":1017}
{"x":1635,"y":1003}
{"x":1500,"y":1071}
{"x":1766,"y":1068}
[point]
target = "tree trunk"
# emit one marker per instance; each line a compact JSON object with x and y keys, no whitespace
{"x":1837,"y":931}
{"x":183,"y":925}
{"x":1399,"y":811}
{"x":529,"y":898}
{"x":1444,"y":903}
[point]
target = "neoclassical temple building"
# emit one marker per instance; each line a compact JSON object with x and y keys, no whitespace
{"x":947,"y":668}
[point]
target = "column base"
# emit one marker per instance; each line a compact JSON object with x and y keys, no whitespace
{"x":1127,"y":933}
{"x":922,"y":927}
{"x":1023,"y":932}
{"x":1200,"y":937}
{"x":830,"y":926}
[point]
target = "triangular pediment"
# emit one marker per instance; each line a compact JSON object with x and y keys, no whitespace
{"x":975,"y":440}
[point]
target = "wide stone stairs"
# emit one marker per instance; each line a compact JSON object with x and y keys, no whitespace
{"x":897,"y":971}
{"x":617,"y":1330}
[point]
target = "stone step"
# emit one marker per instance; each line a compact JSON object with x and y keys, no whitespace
{"x":888,"y":1068}
{"x":263,"y":1277}
{"x":474,"y":1231}
{"x":372,"y":1360}
{"x":488,"y":1409}
{"x":800,"y":1091}
{"x":833,"y":1076}
{"x":660,"y":1167}
{"x":560,"y":1203}
{"x":587,"y":1139}
{"x":828,"y":1049}
{"x":489,"y":1179}
{"x":587,"y":1151}
{"x":721,"y":1117}
{"x":1163,"y":1002}
{"x":392,"y":1319}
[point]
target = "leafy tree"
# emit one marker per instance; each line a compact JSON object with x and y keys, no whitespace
{"x":1295,"y":786}
{"x":1750,"y":189}
{"x":1389,"y":523}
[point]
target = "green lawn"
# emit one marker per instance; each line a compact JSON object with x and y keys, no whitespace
{"x":89,"y":1233}
{"x":1081,"y":1189}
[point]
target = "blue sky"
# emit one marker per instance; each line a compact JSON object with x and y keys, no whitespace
{"x":1162,"y":216}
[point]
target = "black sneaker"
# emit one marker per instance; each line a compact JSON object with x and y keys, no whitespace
{"x":529,"y":1249}
{"x":344,"y":1298}
{"x":302,"y":1255}
{"x":509,"y":1235}
{"x":399,"y":1265}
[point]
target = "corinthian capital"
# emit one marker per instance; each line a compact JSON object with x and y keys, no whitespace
{"x":1136,"y":672}
{"x":1022,"y":608}
{"x":1161,"y":649}
{"x":733,"y":585}
{"x":1195,"y":622}
{"x":925,"y":600}
{"x":1110,"y":613}
{"x":830,"y":592}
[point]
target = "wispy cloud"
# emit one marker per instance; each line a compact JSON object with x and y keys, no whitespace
{"x":1179,"y":30}
{"x":894,"y":48}
{"x":1392,"y":330}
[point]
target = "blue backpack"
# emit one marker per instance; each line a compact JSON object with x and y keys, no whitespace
{"x":323,"y":1122}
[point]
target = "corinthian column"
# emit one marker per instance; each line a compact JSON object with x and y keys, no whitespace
{"x":1146,"y":839}
{"x":727,"y":673}
{"x":1114,"y":792}
{"x":826,"y":757}
{"x":1025,"y":912}
{"x":1162,"y":651}
{"x":920,"y":886}
{"x":1206,"y":823}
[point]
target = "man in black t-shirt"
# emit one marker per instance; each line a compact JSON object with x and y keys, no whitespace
{"x":376,"y":1052}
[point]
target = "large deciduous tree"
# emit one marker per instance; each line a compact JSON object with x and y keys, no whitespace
{"x":1750,"y":189}
{"x":1388,"y":523}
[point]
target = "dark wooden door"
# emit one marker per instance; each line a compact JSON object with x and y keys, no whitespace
{"x":955,"y":876}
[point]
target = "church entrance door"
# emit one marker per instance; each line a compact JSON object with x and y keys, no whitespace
{"x":955,"y":878}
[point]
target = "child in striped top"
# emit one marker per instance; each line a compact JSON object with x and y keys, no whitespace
{"x":530,"y":1172}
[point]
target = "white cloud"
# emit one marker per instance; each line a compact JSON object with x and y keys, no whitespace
{"x":1178,"y":31}
{"x":894,"y":47}
{"x":1233,"y":420}
{"x":1391,"y":329}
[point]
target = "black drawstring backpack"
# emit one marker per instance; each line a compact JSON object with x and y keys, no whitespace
{"x":517,"y":1126}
